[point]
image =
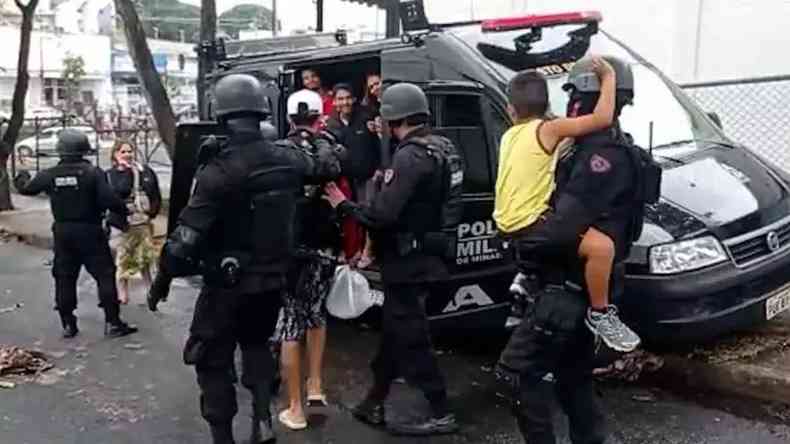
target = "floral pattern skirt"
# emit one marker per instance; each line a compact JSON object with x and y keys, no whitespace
{"x":135,"y":251}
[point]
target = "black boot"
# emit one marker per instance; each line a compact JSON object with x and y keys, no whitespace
{"x":69,"y":322}
{"x":370,"y":411}
{"x":262,"y":431}
{"x":431,"y":426}
{"x":118,"y":329}
{"x":222,"y":434}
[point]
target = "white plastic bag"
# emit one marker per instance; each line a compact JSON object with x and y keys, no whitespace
{"x":350,"y":295}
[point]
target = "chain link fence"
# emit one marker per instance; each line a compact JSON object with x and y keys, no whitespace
{"x":754,"y":112}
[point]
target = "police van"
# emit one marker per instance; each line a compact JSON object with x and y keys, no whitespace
{"x":715,"y":251}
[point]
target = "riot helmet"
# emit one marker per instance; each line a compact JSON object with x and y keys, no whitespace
{"x":403,"y":100}
{"x":584,"y":87}
{"x":72,"y":143}
{"x":239,"y":95}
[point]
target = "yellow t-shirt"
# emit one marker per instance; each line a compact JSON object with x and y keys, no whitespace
{"x":525,"y":178}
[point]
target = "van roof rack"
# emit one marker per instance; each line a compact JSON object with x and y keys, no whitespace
{"x":256,"y":47}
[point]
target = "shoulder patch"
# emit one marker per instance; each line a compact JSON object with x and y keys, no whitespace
{"x":599,"y":164}
{"x":388,"y":176}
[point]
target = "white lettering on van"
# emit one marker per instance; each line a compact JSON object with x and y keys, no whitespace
{"x":469,"y":295}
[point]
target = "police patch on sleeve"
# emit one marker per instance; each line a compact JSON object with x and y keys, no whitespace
{"x":599,"y":164}
{"x":388,"y":176}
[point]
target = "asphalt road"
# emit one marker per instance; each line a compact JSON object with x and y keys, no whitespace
{"x":136,"y":390}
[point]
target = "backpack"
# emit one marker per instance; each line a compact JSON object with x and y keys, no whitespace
{"x":648,"y":184}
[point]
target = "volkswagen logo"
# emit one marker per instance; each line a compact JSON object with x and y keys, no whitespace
{"x":772,"y":239}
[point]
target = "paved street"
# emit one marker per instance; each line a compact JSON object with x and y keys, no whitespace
{"x":136,"y":390}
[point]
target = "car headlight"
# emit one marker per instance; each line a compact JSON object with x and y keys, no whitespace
{"x":686,"y":255}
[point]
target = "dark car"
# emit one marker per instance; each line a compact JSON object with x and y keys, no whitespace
{"x":715,"y":250}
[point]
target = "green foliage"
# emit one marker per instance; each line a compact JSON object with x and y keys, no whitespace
{"x":170,"y":17}
{"x":73,"y":72}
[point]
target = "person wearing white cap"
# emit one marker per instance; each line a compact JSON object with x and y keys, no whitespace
{"x":311,"y":275}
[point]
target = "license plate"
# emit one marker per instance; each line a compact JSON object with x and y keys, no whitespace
{"x":777,"y":304}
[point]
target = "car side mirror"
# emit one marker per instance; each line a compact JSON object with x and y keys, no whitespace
{"x":714,"y":116}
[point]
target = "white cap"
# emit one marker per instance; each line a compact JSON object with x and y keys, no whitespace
{"x":311,"y":100}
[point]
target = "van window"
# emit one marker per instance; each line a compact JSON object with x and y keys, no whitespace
{"x":459,"y":118}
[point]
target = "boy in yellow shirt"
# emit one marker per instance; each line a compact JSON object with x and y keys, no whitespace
{"x":528,"y":156}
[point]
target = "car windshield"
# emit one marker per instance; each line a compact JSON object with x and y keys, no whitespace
{"x":674,"y":117}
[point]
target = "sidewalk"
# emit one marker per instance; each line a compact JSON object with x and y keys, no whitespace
{"x":753,"y":365}
{"x":31,"y":222}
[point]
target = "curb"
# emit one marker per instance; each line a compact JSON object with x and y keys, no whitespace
{"x":733,"y":379}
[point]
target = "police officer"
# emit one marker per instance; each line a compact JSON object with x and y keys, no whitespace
{"x":79,"y":196}
{"x":419,"y":198}
{"x":238,"y":232}
{"x":595,"y":187}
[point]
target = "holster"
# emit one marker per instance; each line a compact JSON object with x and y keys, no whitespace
{"x":434,"y":243}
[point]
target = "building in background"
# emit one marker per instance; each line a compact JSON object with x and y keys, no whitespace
{"x":47,"y":51}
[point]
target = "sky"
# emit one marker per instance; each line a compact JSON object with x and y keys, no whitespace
{"x":300,"y":14}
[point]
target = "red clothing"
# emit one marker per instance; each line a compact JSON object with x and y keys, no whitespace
{"x":329,"y":103}
{"x":353,"y":234}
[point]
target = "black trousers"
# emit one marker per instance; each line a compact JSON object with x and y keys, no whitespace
{"x":553,"y":339}
{"x":405,"y":347}
{"x":78,"y":245}
{"x":223,"y":320}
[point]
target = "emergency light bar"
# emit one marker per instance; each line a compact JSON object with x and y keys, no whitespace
{"x":532,"y":21}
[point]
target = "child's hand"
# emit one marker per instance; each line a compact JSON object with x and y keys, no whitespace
{"x":602,"y":67}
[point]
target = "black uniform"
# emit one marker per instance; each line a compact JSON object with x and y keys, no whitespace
{"x":594,"y":188}
{"x":79,"y":196}
{"x":405,"y":209}
{"x":239,"y":225}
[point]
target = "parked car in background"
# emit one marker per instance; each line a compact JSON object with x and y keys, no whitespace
{"x":44,"y":143}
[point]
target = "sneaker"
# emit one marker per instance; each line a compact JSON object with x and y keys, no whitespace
{"x":612,"y":331}
{"x":431,"y":426}
{"x":370,"y":412}
{"x":519,"y":285}
{"x":118,"y":330}
{"x":293,"y":423}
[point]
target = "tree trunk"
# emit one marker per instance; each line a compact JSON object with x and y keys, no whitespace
{"x":155,"y":92}
{"x":18,"y":102}
{"x":208,"y":33}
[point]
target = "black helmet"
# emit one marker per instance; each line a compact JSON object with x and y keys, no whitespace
{"x":72,"y":142}
{"x":403,"y":100}
{"x":239,"y":94}
{"x":583,"y":79}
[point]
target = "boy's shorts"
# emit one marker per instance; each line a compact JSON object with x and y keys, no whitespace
{"x":545,"y":239}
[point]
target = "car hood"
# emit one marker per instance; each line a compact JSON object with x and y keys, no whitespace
{"x":727,"y":191}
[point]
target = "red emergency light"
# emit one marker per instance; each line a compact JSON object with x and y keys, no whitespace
{"x":532,"y":21}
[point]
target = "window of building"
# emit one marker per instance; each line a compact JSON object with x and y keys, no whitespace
{"x":54,"y":91}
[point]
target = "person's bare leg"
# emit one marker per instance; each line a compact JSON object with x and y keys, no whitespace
{"x":123,"y":291}
{"x":146,"y":272}
{"x":291,"y":362}
{"x":597,"y":250}
{"x":316,"y":343}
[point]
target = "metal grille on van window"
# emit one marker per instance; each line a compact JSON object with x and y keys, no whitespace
{"x":756,"y":246}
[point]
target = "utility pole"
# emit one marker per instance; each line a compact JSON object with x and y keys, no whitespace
{"x":319,"y":7}
{"x":274,"y":18}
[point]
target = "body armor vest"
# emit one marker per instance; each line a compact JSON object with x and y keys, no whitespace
{"x":442,"y":207}
{"x":73,"y":196}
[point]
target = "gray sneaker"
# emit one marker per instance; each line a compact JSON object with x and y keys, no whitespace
{"x":612,"y":331}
